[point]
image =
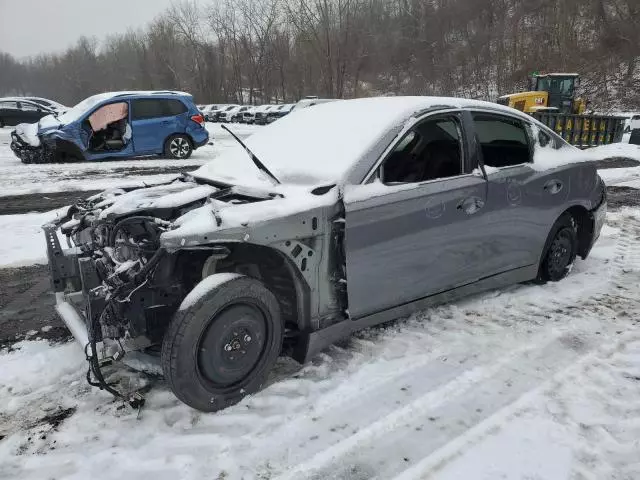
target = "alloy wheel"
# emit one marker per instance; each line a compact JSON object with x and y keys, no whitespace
{"x":179,"y":147}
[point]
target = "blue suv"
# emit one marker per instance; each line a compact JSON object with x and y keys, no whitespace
{"x":115,"y":125}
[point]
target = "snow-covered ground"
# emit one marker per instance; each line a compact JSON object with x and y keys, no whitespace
{"x":17,"y":178}
{"x":23,"y":240}
{"x":528,"y":382}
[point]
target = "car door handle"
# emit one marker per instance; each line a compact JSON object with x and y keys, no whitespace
{"x":166,"y":122}
{"x":553,"y":186}
{"x":471,"y":205}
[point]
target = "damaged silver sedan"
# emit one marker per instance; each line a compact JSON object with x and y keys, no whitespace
{"x":334,"y":219}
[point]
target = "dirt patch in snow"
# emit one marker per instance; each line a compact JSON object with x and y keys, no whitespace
{"x":616,"y":162}
{"x":56,"y":418}
{"x":41,"y":202}
{"x":26,"y":307}
{"x":618,"y":197}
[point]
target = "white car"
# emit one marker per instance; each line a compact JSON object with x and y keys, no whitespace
{"x":262,"y":112}
{"x":279,"y":111}
{"x":209,"y":111}
{"x":227,"y":113}
{"x":249,"y":115}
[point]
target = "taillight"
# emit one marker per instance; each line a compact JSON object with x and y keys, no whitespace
{"x":198,"y":119}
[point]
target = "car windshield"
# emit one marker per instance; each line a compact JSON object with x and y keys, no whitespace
{"x":81,"y":108}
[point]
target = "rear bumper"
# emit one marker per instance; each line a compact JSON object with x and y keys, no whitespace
{"x":201,"y":143}
{"x":200,"y":139}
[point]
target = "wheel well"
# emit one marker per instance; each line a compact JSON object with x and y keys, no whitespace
{"x":266,"y":264}
{"x":64,"y":148}
{"x":584,"y":226}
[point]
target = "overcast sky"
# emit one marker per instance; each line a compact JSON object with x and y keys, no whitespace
{"x":29,"y":27}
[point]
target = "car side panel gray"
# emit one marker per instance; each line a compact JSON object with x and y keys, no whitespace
{"x":414,"y":241}
{"x":304,"y":238}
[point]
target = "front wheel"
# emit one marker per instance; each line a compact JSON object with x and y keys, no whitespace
{"x":178,"y":147}
{"x":560,"y":250}
{"x":222,"y":342}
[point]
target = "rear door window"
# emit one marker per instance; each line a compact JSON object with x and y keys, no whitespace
{"x":503,"y":140}
{"x":142,"y":109}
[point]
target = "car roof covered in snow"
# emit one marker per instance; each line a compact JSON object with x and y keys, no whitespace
{"x":88,"y":103}
{"x":333,"y":142}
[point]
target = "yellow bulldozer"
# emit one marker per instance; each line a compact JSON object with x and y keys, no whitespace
{"x":551,"y":92}
{"x":553,"y":101}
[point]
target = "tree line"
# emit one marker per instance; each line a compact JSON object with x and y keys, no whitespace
{"x":259,"y":51}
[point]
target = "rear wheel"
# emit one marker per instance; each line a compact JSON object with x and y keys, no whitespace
{"x":178,"y":147}
{"x":560,"y":250}
{"x":221,"y":347}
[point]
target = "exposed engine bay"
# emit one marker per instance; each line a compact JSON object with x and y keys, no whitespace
{"x":116,"y":272}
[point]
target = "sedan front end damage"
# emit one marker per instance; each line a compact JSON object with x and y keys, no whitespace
{"x":133,"y":256}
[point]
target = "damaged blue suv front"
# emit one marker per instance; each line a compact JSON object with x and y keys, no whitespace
{"x":115,"y":125}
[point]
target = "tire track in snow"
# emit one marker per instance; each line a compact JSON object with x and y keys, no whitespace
{"x":562,"y":308}
{"x":396,"y":435}
{"x":625,"y":452}
{"x":440,"y":458}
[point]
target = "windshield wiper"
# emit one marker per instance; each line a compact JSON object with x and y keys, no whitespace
{"x":254,"y":159}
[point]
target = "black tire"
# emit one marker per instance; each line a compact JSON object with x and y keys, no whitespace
{"x":178,"y":147}
{"x":559,"y":251}
{"x":222,"y":347}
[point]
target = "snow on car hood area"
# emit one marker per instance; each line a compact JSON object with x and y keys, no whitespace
{"x":218,"y":215}
{"x":29,"y":133}
{"x":525,"y":382}
{"x":117,"y":202}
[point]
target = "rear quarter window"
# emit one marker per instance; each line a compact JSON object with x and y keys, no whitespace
{"x":174,"y":107}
